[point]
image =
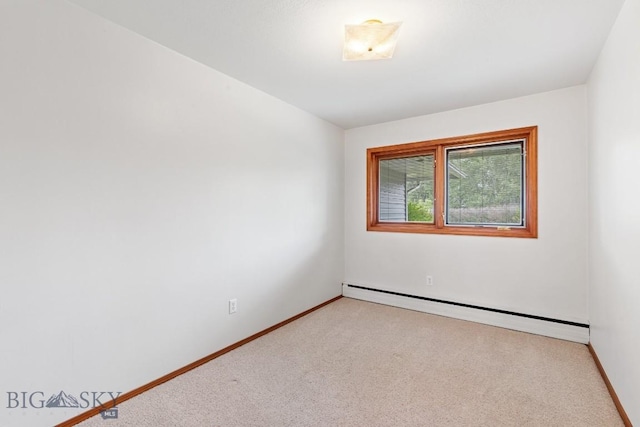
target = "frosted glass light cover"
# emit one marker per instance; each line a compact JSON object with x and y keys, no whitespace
{"x":371,"y":40}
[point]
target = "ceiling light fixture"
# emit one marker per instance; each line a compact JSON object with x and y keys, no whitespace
{"x":370,"y":40}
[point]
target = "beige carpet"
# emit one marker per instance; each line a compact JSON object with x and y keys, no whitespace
{"x":354,"y":363}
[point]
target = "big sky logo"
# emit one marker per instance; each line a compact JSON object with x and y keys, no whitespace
{"x":36,"y":400}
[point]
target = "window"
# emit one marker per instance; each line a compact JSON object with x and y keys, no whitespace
{"x":406,"y":189}
{"x":483,"y":184}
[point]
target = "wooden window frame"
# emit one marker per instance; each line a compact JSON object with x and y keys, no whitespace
{"x":437,"y":148}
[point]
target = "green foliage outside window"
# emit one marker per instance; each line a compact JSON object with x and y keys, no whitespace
{"x":420,"y":198}
{"x":420,"y":210}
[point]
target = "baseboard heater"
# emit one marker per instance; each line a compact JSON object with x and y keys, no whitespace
{"x":556,"y":328}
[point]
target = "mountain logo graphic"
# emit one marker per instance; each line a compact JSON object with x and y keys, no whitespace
{"x":62,"y":400}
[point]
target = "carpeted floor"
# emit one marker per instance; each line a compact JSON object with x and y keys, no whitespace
{"x":354,"y":363}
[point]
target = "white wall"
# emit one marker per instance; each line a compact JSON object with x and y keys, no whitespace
{"x":614,"y":227}
{"x":545,"y":276}
{"x":139,"y":191}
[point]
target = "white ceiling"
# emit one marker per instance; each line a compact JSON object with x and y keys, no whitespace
{"x":450,"y":53}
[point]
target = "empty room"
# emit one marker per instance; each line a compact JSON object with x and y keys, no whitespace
{"x":319,"y":213}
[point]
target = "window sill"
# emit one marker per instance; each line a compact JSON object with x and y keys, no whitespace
{"x":400,"y":227}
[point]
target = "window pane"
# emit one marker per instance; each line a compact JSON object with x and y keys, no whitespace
{"x":406,"y":189}
{"x":485,"y":185}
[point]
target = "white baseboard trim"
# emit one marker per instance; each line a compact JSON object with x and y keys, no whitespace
{"x":509,"y":321}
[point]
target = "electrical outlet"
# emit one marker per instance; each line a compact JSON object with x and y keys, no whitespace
{"x":429,"y":280}
{"x":233,"y":305}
